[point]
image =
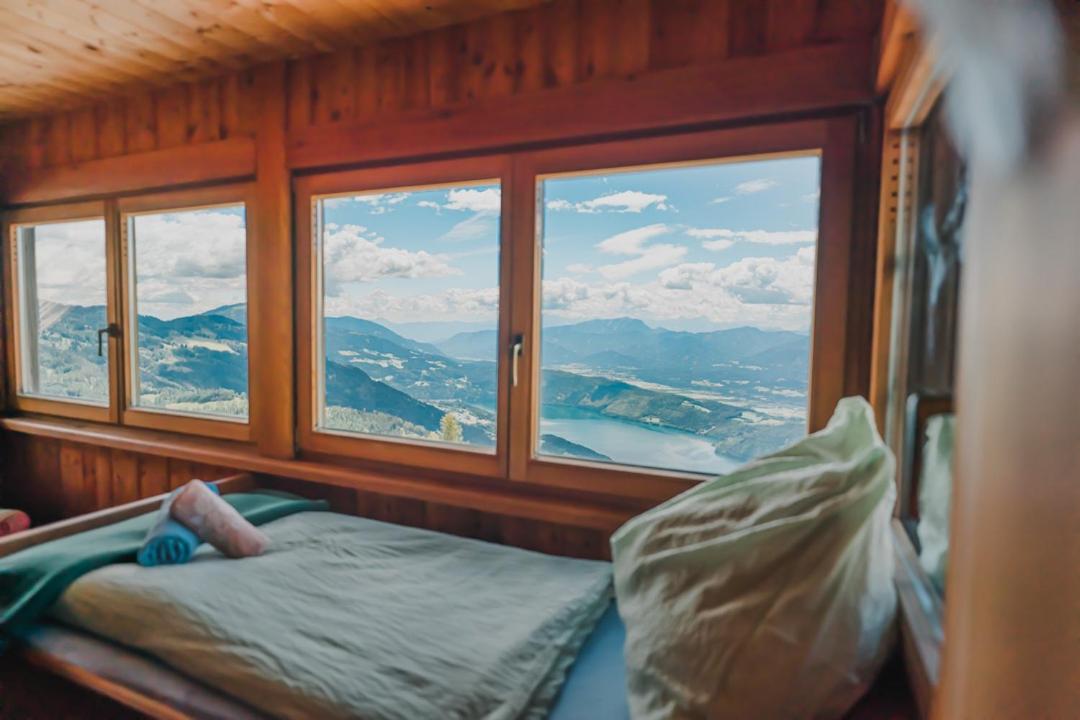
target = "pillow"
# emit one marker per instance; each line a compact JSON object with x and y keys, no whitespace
{"x":766,"y":593}
{"x":935,"y":492}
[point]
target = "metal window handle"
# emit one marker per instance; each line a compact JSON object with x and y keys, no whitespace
{"x":112,"y":330}
{"x":515,"y":355}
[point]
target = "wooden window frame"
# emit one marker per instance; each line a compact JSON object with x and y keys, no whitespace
{"x":164,"y":202}
{"x":69,"y":212}
{"x":832,"y":139}
{"x":389,"y":450}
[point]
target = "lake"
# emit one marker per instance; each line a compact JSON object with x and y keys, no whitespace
{"x":632,"y":443}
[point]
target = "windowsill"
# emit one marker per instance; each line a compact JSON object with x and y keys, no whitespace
{"x":921,"y":613}
{"x":496,"y":497}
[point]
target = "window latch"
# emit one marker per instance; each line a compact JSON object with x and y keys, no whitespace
{"x":515,"y":355}
{"x":112,"y":330}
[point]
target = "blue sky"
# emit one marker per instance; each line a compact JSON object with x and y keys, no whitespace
{"x":694,"y":247}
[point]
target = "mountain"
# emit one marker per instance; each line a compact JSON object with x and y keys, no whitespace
{"x":435,"y":331}
{"x":555,"y":445}
{"x":236,"y":312}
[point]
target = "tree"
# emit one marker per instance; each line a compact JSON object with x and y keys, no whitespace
{"x":450,"y":428}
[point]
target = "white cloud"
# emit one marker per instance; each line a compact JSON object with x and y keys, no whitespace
{"x":579,"y":268}
{"x":765,"y":292}
{"x":762,"y":237}
{"x":480,"y":226}
{"x":717,"y":245}
{"x":377,"y":203}
{"x":627,"y":201}
{"x":487,"y":200}
{"x":755,"y":186}
{"x":632,"y":242}
{"x":813,"y":196}
{"x":655,"y":256}
{"x":454,"y":304}
{"x":721,"y":200}
{"x":355,"y":254}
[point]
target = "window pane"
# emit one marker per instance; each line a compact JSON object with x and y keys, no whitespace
{"x":410,"y":314}
{"x":190,"y":294}
{"x":676,"y":312}
{"x":62,"y":299}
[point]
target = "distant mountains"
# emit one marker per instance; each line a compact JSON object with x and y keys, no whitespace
{"x":744,"y":390}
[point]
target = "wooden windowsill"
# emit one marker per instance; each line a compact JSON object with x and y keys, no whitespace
{"x":572,"y":509}
{"x":920,"y":617}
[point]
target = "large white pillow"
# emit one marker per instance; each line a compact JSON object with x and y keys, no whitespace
{"x":766,"y":593}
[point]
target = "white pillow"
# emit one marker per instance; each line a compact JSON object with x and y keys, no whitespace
{"x":766,"y":593}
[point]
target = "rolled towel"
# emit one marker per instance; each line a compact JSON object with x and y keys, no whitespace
{"x":217,"y":522}
{"x":169,"y":542}
{"x":13,"y":521}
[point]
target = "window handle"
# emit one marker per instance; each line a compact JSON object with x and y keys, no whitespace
{"x":112,"y":330}
{"x":515,"y":356}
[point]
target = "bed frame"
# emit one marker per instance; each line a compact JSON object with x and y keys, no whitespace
{"x":60,"y":666}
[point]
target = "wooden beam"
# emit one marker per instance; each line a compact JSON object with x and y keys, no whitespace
{"x":221,"y":160}
{"x":799,"y":81}
{"x":270,"y":272}
{"x":573,"y":510}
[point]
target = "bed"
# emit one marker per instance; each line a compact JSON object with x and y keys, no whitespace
{"x":372,"y":620}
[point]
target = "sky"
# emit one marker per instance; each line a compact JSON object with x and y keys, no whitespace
{"x":698,"y":248}
{"x":693,"y":247}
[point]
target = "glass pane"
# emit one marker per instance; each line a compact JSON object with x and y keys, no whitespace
{"x":676,"y":312}
{"x":62,"y":299}
{"x":190,"y":294}
{"x":410,"y":301}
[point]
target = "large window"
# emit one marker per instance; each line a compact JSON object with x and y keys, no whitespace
{"x":676,"y":315}
{"x":61,"y":307}
{"x":187,"y":305}
{"x":409,"y":326}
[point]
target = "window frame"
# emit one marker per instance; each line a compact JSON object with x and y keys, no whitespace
{"x":833,"y":139}
{"x":308,"y":307}
{"x":51,"y":214}
{"x":158,"y":203}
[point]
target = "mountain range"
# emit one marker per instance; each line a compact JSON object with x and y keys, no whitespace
{"x":722,"y":386}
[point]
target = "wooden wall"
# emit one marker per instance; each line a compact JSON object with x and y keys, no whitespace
{"x":560,"y":44}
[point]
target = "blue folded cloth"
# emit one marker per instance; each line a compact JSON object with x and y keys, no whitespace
{"x":169,"y":542}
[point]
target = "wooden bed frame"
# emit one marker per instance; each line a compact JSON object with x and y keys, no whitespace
{"x":72,"y":672}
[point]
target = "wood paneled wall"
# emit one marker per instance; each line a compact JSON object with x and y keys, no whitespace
{"x":52,"y":479}
{"x":559,"y":44}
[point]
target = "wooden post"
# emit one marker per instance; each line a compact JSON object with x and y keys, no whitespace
{"x":270,"y":274}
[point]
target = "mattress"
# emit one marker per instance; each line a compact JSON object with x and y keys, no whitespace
{"x":351,"y":617}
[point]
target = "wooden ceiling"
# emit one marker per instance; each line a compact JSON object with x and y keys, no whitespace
{"x":57,"y":54}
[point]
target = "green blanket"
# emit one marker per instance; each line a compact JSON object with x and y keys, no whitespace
{"x":33,"y":579}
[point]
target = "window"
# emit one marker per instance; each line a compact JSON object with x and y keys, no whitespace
{"x":61,"y":307}
{"x":402,"y":289}
{"x":187,"y":307}
{"x":677,"y":305}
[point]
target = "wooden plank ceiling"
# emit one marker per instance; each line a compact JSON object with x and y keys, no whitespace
{"x":57,"y":54}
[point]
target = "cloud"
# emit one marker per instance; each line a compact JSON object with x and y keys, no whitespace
{"x":354,"y":254}
{"x":631,"y":242}
{"x":377,"y":203}
{"x":481,"y":226}
{"x":755,"y":186}
{"x":455,"y":304}
{"x":765,"y":292}
{"x":720,"y":200}
{"x":812,"y":196}
{"x":192,"y":244}
{"x":762,"y":237}
{"x":655,"y":256}
{"x":627,"y":201}
{"x":579,"y":268}
{"x":70,"y":262}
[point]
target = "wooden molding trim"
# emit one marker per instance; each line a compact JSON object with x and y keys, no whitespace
{"x":220,"y":160}
{"x":921,"y":633}
{"x":787,"y":83}
{"x":510,"y":501}
{"x":916,"y":89}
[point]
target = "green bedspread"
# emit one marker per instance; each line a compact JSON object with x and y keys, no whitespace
{"x":33,"y":579}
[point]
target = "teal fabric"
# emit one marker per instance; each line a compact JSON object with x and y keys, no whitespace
{"x":596,"y":685}
{"x":33,"y":579}
{"x":169,"y":542}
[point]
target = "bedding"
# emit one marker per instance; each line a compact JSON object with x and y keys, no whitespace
{"x":350,"y":617}
{"x":31,"y":580}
